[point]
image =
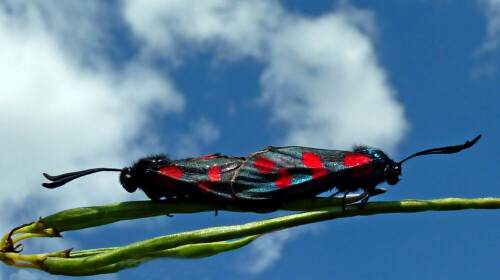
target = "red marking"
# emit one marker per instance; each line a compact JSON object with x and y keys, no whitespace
{"x":311,"y":160}
{"x":214,"y":173}
{"x":171,"y":171}
{"x":263,"y":164}
{"x":283,"y":178}
{"x":319,"y":173}
{"x":314,"y":161}
{"x":207,"y":157}
{"x":204,"y":186}
{"x":355,"y":159}
{"x":360,"y":163}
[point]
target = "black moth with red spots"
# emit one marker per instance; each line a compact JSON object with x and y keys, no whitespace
{"x":265,"y":178}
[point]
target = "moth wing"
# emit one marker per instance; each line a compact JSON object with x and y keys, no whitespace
{"x":198,"y":176}
{"x":278,"y":172}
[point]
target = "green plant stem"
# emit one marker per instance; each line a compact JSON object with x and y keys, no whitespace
{"x":198,"y":243}
{"x":85,"y":217}
{"x":217,"y":234}
{"x":201,"y":250}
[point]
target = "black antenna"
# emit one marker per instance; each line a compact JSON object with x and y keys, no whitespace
{"x":62,"y":179}
{"x":444,"y":150}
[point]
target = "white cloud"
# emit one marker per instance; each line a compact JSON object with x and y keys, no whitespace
{"x":234,"y":27}
{"x":321,"y":74}
{"x":64,"y":115}
{"x":63,"y":107}
{"x":327,"y":88}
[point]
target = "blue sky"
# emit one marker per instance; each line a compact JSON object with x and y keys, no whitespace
{"x":88,"y":84}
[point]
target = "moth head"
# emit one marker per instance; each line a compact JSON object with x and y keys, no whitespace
{"x":392,"y":173}
{"x":140,"y":173}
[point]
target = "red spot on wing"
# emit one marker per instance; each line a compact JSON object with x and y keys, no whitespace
{"x":311,"y":160}
{"x":359,"y":164}
{"x":214,"y":173}
{"x":283,"y":178}
{"x":355,"y":159}
{"x":318,"y":173}
{"x":263,"y":164}
{"x":204,"y":186}
{"x":170,"y":174}
{"x":171,"y":171}
{"x":314,"y":162}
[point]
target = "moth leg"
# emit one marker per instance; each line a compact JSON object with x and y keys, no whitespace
{"x":222,"y":206}
{"x":363,"y":202}
{"x":344,"y":200}
{"x":370,"y":193}
{"x":355,"y":198}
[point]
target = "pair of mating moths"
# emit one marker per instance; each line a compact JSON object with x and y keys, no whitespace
{"x":261,"y":181}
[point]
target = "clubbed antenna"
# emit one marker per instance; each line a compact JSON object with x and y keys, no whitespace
{"x":62,"y":179}
{"x":444,"y":150}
